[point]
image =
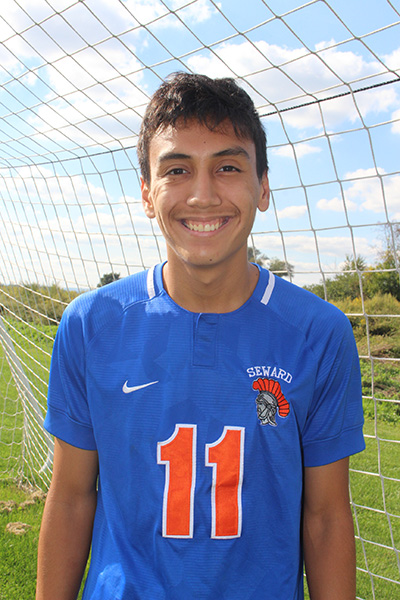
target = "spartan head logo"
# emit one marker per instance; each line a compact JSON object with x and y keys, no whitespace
{"x":270,"y":399}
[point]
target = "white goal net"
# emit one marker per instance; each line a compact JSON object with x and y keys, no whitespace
{"x":75,"y":77}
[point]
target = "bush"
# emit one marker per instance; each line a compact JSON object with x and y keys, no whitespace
{"x":377,"y":324}
{"x":386,"y":378}
{"x":34,"y":303}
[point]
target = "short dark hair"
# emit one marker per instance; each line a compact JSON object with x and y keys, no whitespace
{"x":185,"y":96}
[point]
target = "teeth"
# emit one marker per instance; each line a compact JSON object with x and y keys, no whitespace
{"x":203,"y":226}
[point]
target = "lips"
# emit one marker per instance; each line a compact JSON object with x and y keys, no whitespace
{"x":205,"y":226}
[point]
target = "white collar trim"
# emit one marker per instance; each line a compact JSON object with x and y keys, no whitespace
{"x":269,"y":289}
{"x":151,"y":290}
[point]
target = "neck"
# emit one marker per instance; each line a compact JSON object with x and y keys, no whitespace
{"x":216,"y":290}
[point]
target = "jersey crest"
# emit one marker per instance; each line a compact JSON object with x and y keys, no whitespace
{"x":269,"y":401}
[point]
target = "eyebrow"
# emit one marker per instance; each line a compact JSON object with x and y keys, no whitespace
{"x":172,"y":156}
{"x":234,"y":151}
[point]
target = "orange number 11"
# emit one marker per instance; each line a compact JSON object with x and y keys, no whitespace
{"x":225,"y":456}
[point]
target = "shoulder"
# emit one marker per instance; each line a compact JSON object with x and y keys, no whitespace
{"x":93,"y":310}
{"x":304,"y":311}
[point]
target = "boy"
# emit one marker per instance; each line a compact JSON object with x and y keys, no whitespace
{"x":204,"y":411}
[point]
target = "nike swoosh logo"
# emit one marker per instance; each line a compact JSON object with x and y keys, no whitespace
{"x":127,"y":390}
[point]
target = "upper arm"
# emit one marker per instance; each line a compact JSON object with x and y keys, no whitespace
{"x":328,"y":533}
{"x":326,"y":488}
{"x":74,"y":470}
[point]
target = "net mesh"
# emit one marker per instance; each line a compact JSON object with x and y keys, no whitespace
{"x":75,"y":79}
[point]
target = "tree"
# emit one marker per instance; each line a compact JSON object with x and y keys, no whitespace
{"x":384,"y":278}
{"x":385,"y":275}
{"x":379,"y":279}
{"x":345,"y":284}
{"x":255,"y":255}
{"x":281,"y":268}
{"x":391,"y":240}
{"x":276,"y":265}
{"x":108,"y":278}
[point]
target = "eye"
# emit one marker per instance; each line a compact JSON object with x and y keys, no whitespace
{"x":229,"y":169}
{"x":176,"y":171}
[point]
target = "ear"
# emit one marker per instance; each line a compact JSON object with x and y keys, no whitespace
{"x":147,"y":199}
{"x":263,"y":202}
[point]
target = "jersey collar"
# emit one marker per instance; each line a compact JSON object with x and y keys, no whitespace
{"x":262,"y":293}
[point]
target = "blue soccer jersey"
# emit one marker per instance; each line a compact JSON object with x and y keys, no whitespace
{"x":203,"y":424}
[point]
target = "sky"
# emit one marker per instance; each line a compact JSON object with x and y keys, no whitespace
{"x":75,"y":77}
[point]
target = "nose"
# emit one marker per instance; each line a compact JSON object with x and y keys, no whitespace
{"x":203,"y":193}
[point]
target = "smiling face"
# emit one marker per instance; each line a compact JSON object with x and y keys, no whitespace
{"x":204,"y":192}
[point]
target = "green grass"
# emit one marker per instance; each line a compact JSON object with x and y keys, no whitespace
{"x":11,"y":419}
{"x":18,"y":552}
{"x":373,"y":485}
{"x":33,"y":348}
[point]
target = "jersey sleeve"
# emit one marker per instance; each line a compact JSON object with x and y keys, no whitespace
{"x":335,"y":420}
{"x":68,"y":414}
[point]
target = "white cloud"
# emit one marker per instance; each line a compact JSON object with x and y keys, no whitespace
{"x":127,"y":14}
{"x":79,"y":100}
{"x":368,"y":192}
{"x":396,"y":125}
{"x":300,"y":150}
{"x":301,"y":248}
{"x":241,"y":59}
{"x":29,"y":43}
{"x":108,"y":76}
{"x":299,"y":74}
{"x":145,"y":11}
{"x":335,"y":245}
{"x":195,"y":12}
{"x":376,"y":101}
{"x":372,"y":193}
{"x":292,"y":212}
{"x":10,"y":63}
{"x":18,"y":19}
{"x":335,"y":204}
{"x":121,"y":221}
{"x":42,"y":187}
{"x":392,"y":60}
{"x":93,"y":83}
{"x":92,"y":211}
{"x":105,"y":235}
{"x":347,"y":65}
